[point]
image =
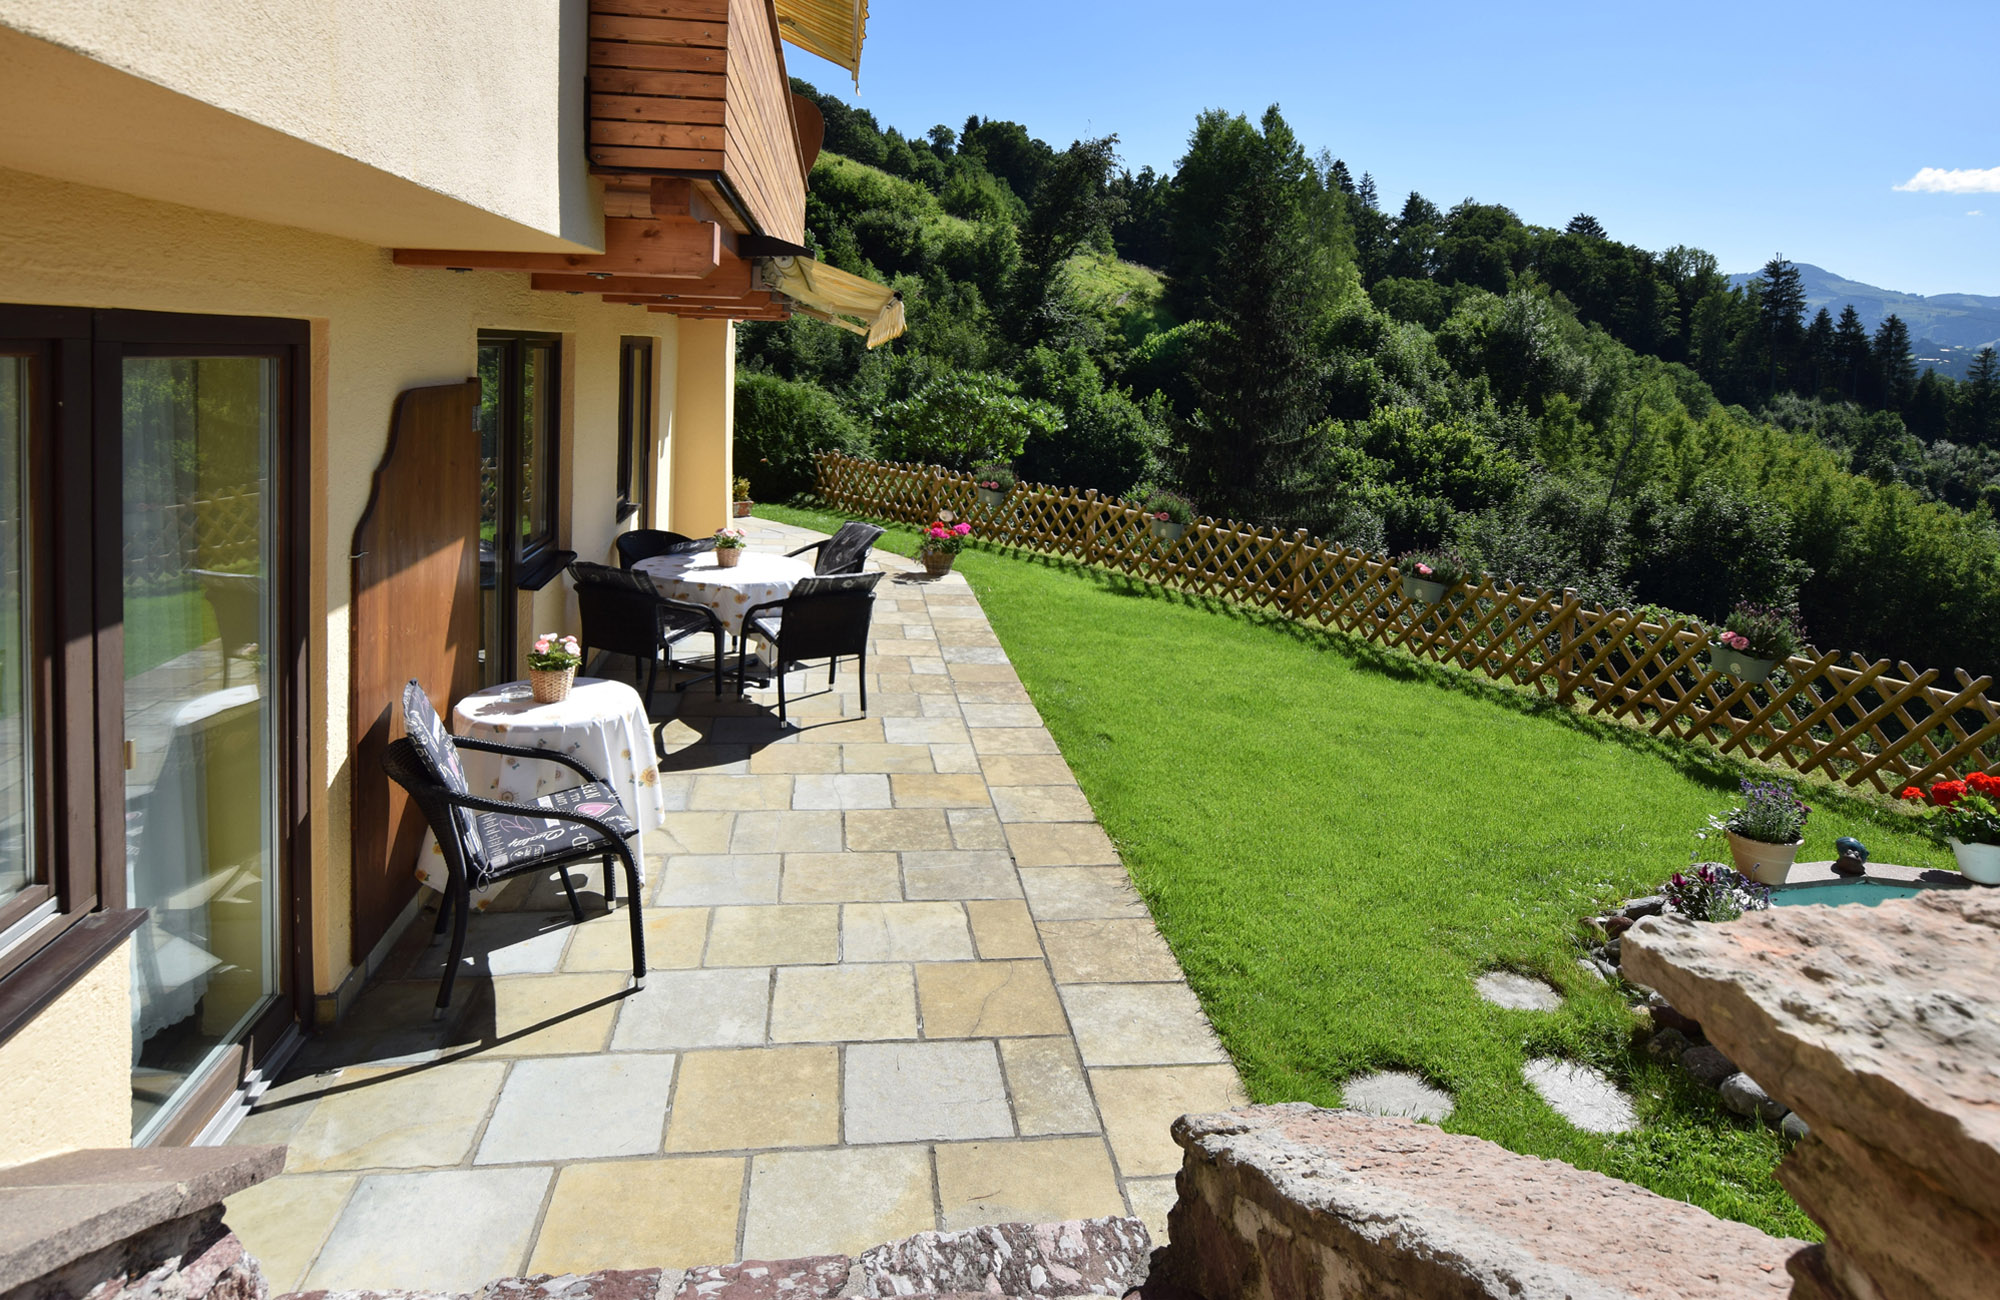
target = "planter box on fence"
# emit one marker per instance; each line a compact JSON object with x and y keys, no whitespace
{"x":1429,"y":592}
{"x":1168,"y":531}
{"x":1741,"y":666}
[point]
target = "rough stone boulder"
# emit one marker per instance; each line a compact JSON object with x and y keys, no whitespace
{"x":1878,"y":1025}
{"x":1297,"y":1203}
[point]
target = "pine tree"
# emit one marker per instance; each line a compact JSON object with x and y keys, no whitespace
{"x":1586,"y":226}
{"x":1821,"y":352}
{"x":1781,"y":307}
{"x":1853,"y":357}
{"x":1366,"y":192}
{"x":1979,"y":401}
{"x":1340,"y":178}
{"x":1894,"y":364}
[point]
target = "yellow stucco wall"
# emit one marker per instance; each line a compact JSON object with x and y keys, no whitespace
{"x":704,"y":427}
{"x":377,"y":330}
{"x":433,"y":125}
{"x":64,"y":1077}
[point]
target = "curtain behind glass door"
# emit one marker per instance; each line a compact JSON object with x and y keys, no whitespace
{"x":201,"y":785}
{"x":17,"y":858}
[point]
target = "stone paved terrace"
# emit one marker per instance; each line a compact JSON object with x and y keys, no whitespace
{"x":899,"y":981}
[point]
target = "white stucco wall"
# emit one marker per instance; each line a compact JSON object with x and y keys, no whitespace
{"x":379,"y":120}
{"x":377,"y":330}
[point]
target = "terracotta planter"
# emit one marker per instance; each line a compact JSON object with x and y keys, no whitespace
{"x":992,"y":498}
{"x":938,"y":563}
{"x":1741,"y":666}
{"x":743,"y":508}
{"x":1168,"y":531}
{"x":1979,"y":863}
{"x":727,"y":556}
{"x":551,"y":685}
{"x":1767,"y":864}
{"x":1424,"y":589}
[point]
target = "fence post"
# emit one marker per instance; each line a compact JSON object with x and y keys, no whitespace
{"x":931,"y":491}
{"x":1091,"y":520}
{"x":1567,"y":662}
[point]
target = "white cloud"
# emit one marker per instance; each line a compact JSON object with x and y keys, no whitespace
{"x":1953,"y":180}
{"x":1975,"y":213}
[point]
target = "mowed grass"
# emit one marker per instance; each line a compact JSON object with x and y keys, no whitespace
{"x":1337,"y":840}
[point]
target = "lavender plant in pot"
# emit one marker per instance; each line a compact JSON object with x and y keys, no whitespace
{"x":1755,"y":640}
{"x":995,"y":482}
{"x":1765,"y":831}
{"x":1966,"y":816}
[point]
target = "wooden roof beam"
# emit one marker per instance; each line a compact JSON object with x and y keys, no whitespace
{"x":734,"y":278}
{"x":677,"y":250}
{"x":758,"y":299}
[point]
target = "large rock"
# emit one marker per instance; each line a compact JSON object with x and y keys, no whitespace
{"x":1084,"y":1257}
{"x":1878,"y":1026}
{"x":1296,"y":1203}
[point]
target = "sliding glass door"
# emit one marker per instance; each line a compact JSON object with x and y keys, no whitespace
{"x":199,"y":437}
{"x":19,"y":874}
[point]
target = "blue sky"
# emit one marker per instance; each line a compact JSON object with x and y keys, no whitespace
{"x":1746,"y":128}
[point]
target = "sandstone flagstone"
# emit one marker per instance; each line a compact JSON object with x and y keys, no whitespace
{"x":1044,"y":1181}
{"x":839,"y":1201}
{"x":757,"y":1097}
{"x":919,"y":1092}
{"x":641,"y":1214}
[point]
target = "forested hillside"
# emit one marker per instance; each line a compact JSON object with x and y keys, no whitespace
{"x":1261,"y":332}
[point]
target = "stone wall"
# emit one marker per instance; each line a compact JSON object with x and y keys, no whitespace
{"x":193,"y":1257}
{"x":1297,"y":1203}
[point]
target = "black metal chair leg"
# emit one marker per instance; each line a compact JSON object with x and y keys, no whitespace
{"x":569,"y":887}
{"x":652,"y":672}
{"x":779,"y":668}
{"x":462,"y":897}
{"x":638,"y":920}
{"x":861,"y":672}
{"x":444,"y":913}
{"x":719,"y":661}
{"x":610,"y":886}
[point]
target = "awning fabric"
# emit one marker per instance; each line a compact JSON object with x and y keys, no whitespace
{"x":826,"y":293}
{"x":832,"y":29}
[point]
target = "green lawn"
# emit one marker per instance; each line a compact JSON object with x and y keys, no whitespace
{"x":1335,"y":840}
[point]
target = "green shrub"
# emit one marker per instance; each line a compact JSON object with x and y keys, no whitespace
{"x":959,"y":419}
{"x":782,"y":426}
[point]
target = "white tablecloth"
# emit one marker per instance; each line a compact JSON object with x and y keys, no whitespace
{"x":759,"y":576}
{"x":602,"y":725}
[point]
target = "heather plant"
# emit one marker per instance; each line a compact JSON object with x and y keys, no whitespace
{"x":1710,"y":891}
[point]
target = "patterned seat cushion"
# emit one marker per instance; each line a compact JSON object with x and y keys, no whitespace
{"x":509,"y":841}
{"x":432,"y":739}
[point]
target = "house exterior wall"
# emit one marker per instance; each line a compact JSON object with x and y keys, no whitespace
{"x":704,"y":427}
{"x":420,"y":125}
{"x":376,"y":330}
{"x":64,"y":1078}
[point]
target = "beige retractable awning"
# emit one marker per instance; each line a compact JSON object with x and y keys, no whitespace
{"x":832,"y":29}
{"x":826,"y":293}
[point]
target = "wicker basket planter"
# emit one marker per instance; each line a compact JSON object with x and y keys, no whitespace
{"x":551,"y":685}
{"x":726,"y":557}
{"x":938,"y":563}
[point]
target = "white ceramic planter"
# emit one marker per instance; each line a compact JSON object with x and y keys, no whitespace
{"x":1429,"y":592}
{"x":1168,"y":531}
{"x":1740,"y":665}
{"x":1767,"y":864}
{"x":1979,"y":863}
{"x":992,"y":498}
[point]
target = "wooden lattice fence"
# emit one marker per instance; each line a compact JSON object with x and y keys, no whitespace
{"x":1856,"y":720}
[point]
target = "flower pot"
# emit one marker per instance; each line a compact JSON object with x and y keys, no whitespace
{"x":1168,"y":531}
{"x":1424,"y":589}
{"x":550,"y":685}
{"x":1979,"y":863}
{"x":992,"y":498}
{"x":938,"y":563}
{"x":1739,"y":665}
{"x":743,"y":509}
{"x":727,"y":556}
{"x":1767,"y":864}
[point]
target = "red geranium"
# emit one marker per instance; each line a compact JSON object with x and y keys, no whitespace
{"x":1985,"y":784}
{"x":1915,"y":792}
{"x":1946,"y":793}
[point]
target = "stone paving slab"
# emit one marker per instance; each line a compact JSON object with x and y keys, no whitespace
{"x":899,"y":983}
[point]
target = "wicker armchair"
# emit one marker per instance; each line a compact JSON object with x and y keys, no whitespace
{"x":823,"y":618}
{"x":844,"y":551}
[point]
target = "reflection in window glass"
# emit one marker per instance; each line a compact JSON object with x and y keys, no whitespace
{"x":538,"y":380}
{"x":198,"y":436}
{"x":17,"y":862}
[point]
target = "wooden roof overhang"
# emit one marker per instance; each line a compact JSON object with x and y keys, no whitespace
{"x":703,"y":151}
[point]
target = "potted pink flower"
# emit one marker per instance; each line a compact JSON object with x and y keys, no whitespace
{"x":1429,"y":576}
{"x":1754,"y":641}
{"x":943,"y":540}
{"x":552,"y":665}
{"x":729,"y":544}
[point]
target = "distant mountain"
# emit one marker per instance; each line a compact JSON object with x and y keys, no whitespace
{"x":1947,"y":329}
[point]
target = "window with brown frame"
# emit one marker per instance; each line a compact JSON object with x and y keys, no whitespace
{"x":635,"y":430}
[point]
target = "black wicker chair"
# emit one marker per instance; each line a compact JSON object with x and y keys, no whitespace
{"x":625,"y":614}
{"x":824,"y":618}
{"x":644,"y":543}
{"x":485,"y":841}
{"x":844,"y":551}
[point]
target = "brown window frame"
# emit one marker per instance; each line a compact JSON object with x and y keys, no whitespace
{"x":635,"y":428}
{"x":80,"y":602}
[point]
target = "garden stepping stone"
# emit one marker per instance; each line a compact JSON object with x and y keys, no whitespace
{"x":1581,"y":1095}
{"x":1396,"y":1092}
{"x":1505,"y":988}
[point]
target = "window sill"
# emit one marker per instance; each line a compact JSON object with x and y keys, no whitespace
{"x":537,"y":569}
{"x":46,"y":976}
{"x":626,"y":509}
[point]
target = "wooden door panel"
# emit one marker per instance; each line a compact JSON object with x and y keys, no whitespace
{"x":414,"y":613}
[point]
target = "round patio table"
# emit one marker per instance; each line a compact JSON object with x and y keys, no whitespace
{"x":602,"y":725}
{"x":759,"y":576}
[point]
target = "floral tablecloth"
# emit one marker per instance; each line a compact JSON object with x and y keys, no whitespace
{"x":731,"y":593}
{"x":602,"y":724}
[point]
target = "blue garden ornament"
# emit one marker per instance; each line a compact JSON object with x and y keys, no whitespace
{"x":1853,"y":857}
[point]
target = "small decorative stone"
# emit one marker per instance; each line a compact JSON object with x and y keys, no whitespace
{"x":1589,"y":965}
{"x":1666,"y":1017}
{"x":1650,"y":905}
{"x":1707,"y":1066}
{"x":1666,"y":1046}
{"x":1505,"y":988}
{"x":1611,"y":951}
{"x":1742,"y":1094}
{"x":1617,"y":925}
{"x":1793,"y":1127}
{"x":1396,"y":1092}
{"x":1605,"y":969}
{"x":1581,"y":1095}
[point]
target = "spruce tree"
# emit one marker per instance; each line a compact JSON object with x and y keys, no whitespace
{"x":1979,"y":401}
{"x":1894,"y":365}
{"x":1339,"y":177}
{"x":1585,"y":226}
{"x":1821,"y":354}
{"x":1852,"y":355}
{"x":1781,"y":307}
